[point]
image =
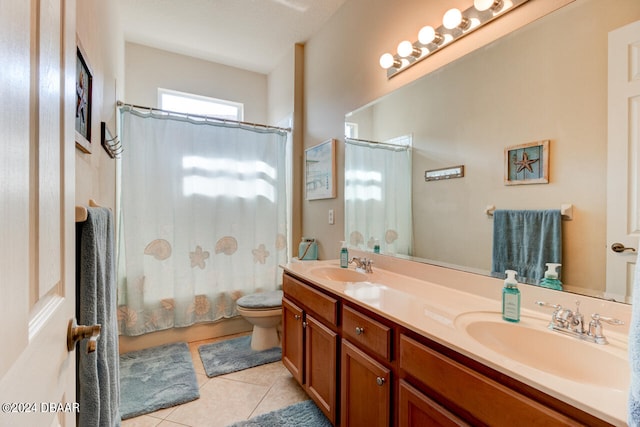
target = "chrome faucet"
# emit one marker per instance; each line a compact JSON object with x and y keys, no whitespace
{"x":571,"y":323}
{"x":362,"y":264}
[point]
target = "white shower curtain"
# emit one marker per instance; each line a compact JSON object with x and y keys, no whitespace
{"x":378,"y":196}
{"x":203,"y":218}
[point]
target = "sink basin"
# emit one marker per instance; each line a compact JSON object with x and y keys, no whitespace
{"x":531,"y":343}
{"x":338,"y":274}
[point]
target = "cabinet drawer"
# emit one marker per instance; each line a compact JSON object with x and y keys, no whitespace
{"x":324,"y":306}
{"x":367,"y":332}
{"x":470,"y":392}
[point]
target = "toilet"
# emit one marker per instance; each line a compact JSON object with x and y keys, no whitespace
{"x":264,"y":311}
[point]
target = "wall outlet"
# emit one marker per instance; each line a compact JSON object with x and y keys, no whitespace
{"x":331,"y":216}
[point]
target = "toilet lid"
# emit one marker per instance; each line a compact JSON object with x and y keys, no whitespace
{"x":261,"y":300}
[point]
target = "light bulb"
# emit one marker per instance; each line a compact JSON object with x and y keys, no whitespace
{"x":452,"y":18}
{"x":405,"y":48}
{"x":426,"y":35}
{"x":494,"y":5}
{"x":482,"y":5}
{"x":387,"y":60}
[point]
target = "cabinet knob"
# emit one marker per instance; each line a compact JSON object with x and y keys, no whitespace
{"x":296,"y":316}
{"x":359,"y":330}
{"x":304,"y":324}
{"x":380,"y":381}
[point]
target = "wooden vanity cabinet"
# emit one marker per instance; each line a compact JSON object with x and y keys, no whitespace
{"x":310,"y":342}
{"x":365,"y":389}
{"x":383,"y":374}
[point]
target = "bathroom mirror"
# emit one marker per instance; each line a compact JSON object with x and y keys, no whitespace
{"x":545,"y":81}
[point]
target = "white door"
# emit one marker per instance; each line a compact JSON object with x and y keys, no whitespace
{"x":37,"y":289}
{"x":623,"y":163}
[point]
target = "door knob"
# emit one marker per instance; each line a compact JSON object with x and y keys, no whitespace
{"x":77,"y":333}
{"x":619,"y":248}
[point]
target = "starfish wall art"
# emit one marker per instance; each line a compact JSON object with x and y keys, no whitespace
{"x":527,"y":163}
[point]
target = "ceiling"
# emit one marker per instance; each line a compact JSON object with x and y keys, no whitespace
{"x":249,"y":34}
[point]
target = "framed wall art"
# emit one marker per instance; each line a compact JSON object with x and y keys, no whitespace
{"x":527,"y":163}
{"x":84,"y":89}
{"x":320,"y":170}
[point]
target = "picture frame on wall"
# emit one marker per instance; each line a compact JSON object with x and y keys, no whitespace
{"x":320,"y":170}
{"x":84,"y":91}
{"x":527,"y":163}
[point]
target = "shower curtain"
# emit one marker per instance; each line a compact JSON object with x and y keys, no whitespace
{"x":378,"y":196}
{"x":202,"y":218}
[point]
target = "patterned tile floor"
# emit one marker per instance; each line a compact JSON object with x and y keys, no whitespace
{"x":229,"y":398}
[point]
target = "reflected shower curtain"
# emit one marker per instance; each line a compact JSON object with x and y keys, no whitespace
{"x":378,"y":196}
{"x":202,"y":219}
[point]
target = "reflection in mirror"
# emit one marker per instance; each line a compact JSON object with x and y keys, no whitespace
{"x":545,"y":81}
{"x":378,"y":195}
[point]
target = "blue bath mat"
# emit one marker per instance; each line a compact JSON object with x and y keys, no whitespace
{"x":156,"y":378}
{"x":299,"y":414}
{"x":234,"y":355}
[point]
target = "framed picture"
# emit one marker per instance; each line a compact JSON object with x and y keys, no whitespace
{"x":320,"y":170}
{"x":84,"y":89}
{"x":527,"y":163}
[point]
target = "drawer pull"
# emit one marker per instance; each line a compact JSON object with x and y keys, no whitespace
{"x":304,"y":324}
{"x":359,"y":330}
{"x":380,"y":381}
{"x":296,"y":316}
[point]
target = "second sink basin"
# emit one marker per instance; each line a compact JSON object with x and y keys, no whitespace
{"x":338,"y":274}
{"x":531,"y":343}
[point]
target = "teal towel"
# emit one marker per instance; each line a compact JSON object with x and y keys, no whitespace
{"x":98,"y":372}
{"x":524,"y":241}
{"x":634,"y":352}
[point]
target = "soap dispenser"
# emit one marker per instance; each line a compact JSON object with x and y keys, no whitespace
{"x":511,"y":298}
{"x":344,"y":255}
{"x":550,"y":279}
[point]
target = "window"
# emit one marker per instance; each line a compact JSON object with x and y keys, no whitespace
{"x":189,"y":103}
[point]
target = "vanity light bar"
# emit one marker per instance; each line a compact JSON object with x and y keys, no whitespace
{"x":444,"y":173}
{"x":455,"y":25}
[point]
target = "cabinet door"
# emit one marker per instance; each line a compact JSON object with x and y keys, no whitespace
{"x":321,"y":350}
{"x":417,"y":410}
{"x":366,"y":389}
{"x":292,"y":336}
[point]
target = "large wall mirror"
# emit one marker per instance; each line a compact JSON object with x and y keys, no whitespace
{"x":545,"y":81}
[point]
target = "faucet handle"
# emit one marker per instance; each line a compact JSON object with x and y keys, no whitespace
{"x":556,"y":307}
{"x":595,"y":327}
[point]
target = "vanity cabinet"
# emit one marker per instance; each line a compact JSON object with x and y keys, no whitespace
{"x":365,"y":389}
{"x":310,"y":342}
{"x":384,"y":374}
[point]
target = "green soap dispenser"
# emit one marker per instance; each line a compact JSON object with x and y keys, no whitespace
{"x":511,"y":298}
{"x":344,"y":255}
{"x":550,"y":279}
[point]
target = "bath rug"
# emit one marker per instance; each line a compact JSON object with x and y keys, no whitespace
{"x":299,"y":414}
{"x":234,"y":355}
{"x":156,"y":378}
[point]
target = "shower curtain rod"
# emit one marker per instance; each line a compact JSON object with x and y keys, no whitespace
{"x":376,"y":142}
{"x":198,"y":116}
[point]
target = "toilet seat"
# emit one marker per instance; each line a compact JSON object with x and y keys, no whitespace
{"x":261,"y":301}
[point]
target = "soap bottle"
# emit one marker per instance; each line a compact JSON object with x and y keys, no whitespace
{"x":550,"y":279}
{"x":344,"y":255}
{"x":511,"y":298}
{"x":376,"y":246}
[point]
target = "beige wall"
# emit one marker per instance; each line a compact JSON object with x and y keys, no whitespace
{"x":148,"y":69}
{"x":100,"y":36}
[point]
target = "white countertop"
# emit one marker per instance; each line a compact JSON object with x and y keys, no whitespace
{"x":434,"y":311}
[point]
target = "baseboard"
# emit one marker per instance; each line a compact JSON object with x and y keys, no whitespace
{"x":197,"y":332}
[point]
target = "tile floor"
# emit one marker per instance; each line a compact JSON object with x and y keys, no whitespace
{"x":229,"y":398}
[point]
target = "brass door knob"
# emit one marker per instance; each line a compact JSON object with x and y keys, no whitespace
{"x":77,"y":333}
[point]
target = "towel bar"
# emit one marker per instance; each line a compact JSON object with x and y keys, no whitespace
{"x":566,"y":211}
